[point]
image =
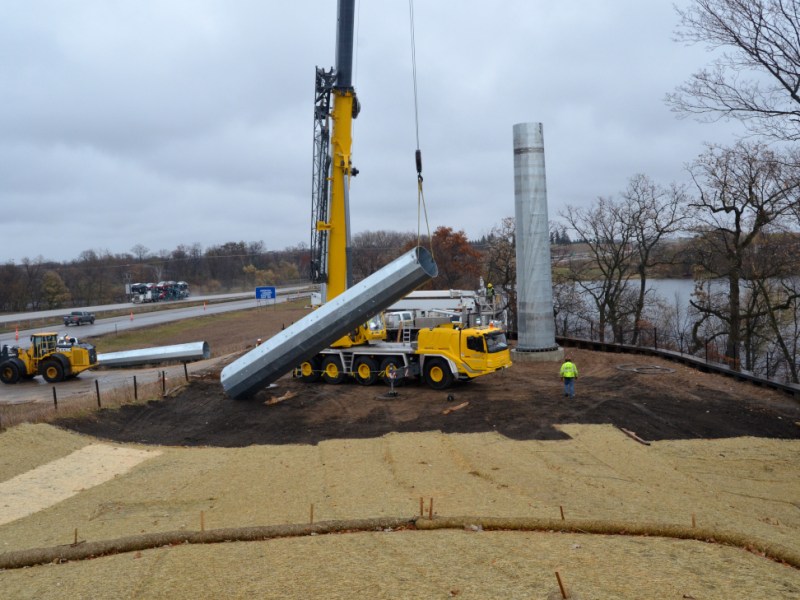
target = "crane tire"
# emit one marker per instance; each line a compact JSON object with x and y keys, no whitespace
{"x":309,"y":370}
{"x":437,"y":374}
{"x":332,"y":370}
{"x":365,"y":370}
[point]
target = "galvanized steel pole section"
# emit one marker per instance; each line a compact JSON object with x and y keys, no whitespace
{"x":316,"y":331}
{"x":178,"y":352}
{"x":535,"y":321}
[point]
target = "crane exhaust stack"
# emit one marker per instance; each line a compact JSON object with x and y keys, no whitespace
{"x":308,"y":336}
{"x":535,"y":322}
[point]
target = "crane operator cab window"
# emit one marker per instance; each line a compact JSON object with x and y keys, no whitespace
{"x":476,"y":344}
{"x":496,"y":342}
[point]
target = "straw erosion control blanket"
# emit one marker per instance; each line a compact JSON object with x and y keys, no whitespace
{"x":675,"y":484}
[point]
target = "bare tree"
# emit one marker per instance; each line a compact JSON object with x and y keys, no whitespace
{"x":501,"y":263}
{"x":654,"y":212}
{"x":757,"y":79}
{"x":604,"y":274}
{"x":371,"y":250}
{"x":773,"y":269}
{"x":744,"y":191}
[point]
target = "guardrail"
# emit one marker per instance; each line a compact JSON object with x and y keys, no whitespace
{"x":689,"y":360}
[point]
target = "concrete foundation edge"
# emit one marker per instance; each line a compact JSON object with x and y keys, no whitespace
{"x":556,"y":355}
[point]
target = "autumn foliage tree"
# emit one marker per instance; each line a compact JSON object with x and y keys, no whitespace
{"x":459,"y":264}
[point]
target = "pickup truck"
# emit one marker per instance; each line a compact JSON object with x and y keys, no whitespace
{"x":78,"y":317}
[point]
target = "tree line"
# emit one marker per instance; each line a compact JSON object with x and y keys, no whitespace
{"x":733,"y":229}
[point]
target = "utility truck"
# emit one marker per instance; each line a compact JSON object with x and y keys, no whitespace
{"x":54,"y":358}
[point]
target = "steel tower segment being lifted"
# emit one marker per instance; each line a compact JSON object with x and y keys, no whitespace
{"x":277,"y":356}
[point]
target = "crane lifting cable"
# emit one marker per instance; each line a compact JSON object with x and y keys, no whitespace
{"x":421,"y":207}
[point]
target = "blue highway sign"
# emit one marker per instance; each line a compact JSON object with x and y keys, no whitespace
{"x":265,"y":293}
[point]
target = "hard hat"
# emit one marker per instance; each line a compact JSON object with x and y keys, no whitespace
{"x":489,"y":285}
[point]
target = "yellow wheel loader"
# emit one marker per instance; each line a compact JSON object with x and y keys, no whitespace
{"x":54,"y":358}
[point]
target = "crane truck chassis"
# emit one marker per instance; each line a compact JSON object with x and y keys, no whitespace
{"x":440,"y":356}
{"x":47,"y":356}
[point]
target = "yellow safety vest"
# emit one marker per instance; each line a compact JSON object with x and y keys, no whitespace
{"x":569,"y":370}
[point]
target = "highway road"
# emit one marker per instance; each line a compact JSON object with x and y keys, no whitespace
{"x":167,"y":313}
{"x":38,"y":391}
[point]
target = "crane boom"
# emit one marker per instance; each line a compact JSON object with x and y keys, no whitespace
{"x":330,"y":235}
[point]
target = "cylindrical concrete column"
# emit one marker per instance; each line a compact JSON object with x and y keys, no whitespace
{"x":535,"y":321}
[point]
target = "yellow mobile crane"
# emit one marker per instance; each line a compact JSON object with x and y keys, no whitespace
{"x":336,"y":105}
{"x":439,"y":355}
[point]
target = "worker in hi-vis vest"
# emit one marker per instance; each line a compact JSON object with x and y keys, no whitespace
{"x":569,"y":373}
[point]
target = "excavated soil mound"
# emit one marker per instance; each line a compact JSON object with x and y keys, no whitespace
{"x":659,"y":401}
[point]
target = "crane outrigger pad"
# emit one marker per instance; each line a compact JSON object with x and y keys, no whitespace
{"x":308,"y":336}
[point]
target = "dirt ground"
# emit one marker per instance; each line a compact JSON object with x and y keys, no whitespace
{"x":524,"y":402}
{"x":723,"y":453}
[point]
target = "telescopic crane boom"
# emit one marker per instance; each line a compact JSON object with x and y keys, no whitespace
{"x":330,"y":228}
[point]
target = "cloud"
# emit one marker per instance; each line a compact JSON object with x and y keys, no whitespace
{"x":167,"y":123}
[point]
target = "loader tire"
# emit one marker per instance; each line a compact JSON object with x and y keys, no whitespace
{"x":52,"y":370}
{"x":437,"y":374}
{"x":332,"y":371}
{"x":9,"y":372}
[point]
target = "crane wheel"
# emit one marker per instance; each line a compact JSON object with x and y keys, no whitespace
{"x":437,"y":374}
{"x":309,"y":370}
{"x":52,"y":370}
{"x":10,"y":372}
{"x":365,"y":371}
{"x":332,"y":371}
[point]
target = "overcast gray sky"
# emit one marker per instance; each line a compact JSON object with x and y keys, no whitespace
{"x":166,"y":122}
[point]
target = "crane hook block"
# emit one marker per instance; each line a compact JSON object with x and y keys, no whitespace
{"x":418,"y":156}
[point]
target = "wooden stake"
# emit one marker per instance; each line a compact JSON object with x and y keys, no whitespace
{"x":75,"y":542}
{"x":186,"y":371}
{"x":561,"y":587}
{"x":97,"y":389}
{"x":421,"y":507}
{"x":694,"y":521}
{"x":55,"y":398}
{"x":202,"y":520}
{"x":561,"y":508}
{"x":447,"y":411}
{"x":430,"y":510}
{"x":311,"y":514}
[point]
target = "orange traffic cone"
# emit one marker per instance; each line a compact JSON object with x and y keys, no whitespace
{"x":16,"y":334}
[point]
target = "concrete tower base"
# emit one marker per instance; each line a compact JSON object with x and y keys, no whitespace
{"x":556,"y":355}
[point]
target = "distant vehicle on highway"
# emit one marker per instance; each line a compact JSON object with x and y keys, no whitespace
{"x":139,"y":293}
{"x":79,"y":317}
